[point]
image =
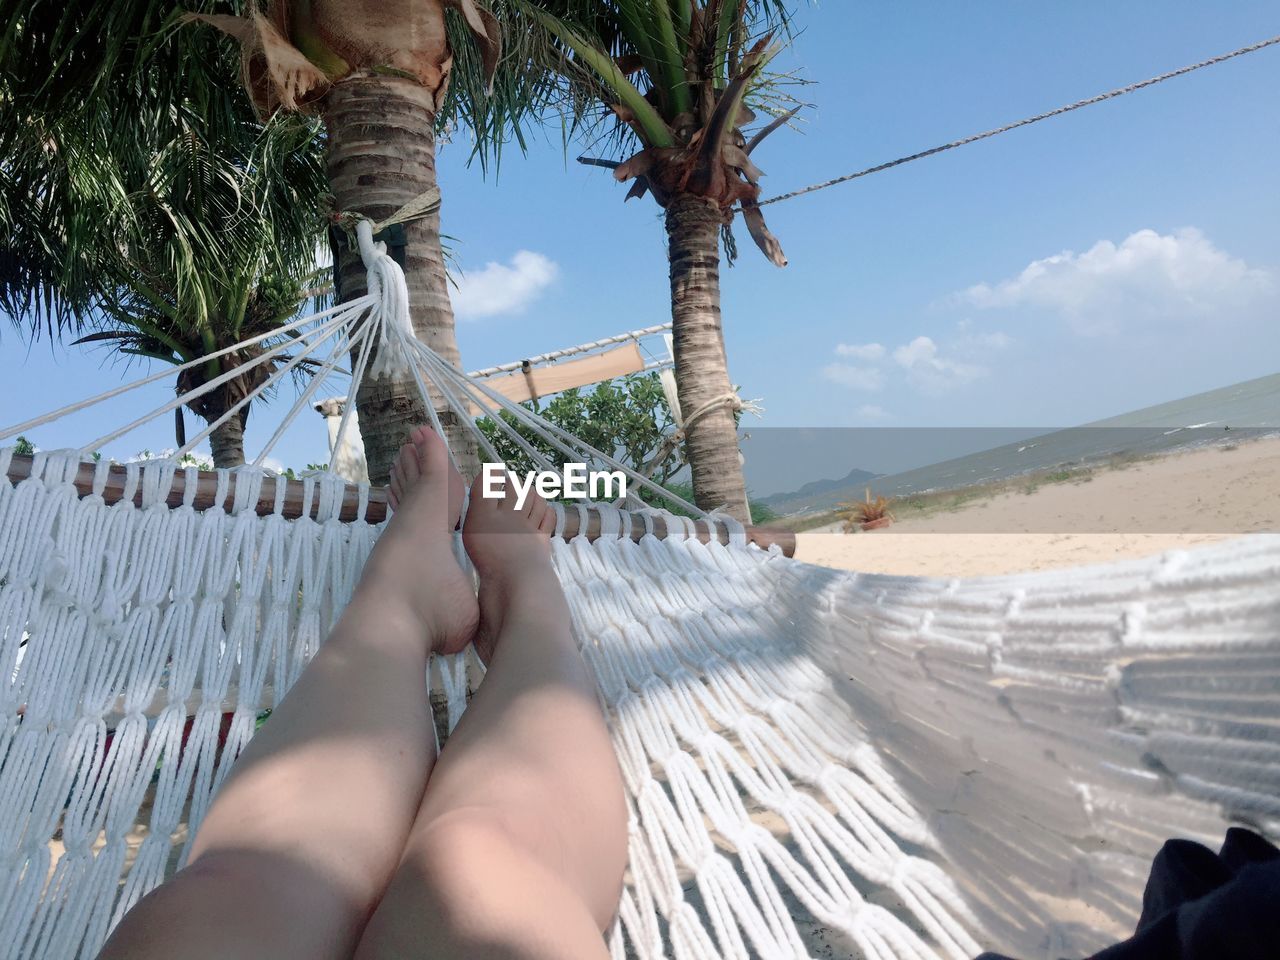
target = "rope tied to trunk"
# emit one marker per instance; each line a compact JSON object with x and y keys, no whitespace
{"x":389,"y":315}
{"x":674,"y":439}
{"x":424,"y":204}
{"x":731,"y":399}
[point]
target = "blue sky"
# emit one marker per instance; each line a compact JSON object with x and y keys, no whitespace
{"x":1120,"y":256}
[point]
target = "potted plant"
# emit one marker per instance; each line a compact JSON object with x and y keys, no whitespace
{"x":871,"y":513}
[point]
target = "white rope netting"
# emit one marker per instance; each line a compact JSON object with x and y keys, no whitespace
{"x":920,"y":768}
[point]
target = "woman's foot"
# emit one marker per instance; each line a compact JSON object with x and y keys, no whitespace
{"x":413,"y":562}
{"x":511,"y":550}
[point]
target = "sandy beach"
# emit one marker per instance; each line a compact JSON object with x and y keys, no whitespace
{"x":1144,"y":508}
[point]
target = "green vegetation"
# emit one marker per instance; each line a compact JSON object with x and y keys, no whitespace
{"x":677,"y":87}
{"x":291,"y":474}
{"x":627,"y":418}
{"x":1056,"y":476}
{"x":144,"y":207}
{"x":153,"y":205}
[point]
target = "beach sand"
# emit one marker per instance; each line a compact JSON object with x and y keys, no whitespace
{"x":1148,"y":507}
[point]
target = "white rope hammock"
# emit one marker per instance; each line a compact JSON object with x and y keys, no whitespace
{"x":923,"y":768}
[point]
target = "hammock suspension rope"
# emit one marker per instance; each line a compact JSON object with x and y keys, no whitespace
{"x":964,"y":141}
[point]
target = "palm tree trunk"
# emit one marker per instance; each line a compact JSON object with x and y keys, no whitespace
{"x":381,"y":156}
{"x":227,"y":442}
{"x":702,"y":374}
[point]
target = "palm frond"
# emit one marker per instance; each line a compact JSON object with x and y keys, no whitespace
{"x":634,"y":108}
{"x":710,"y":49}
{"x":153,"y":210}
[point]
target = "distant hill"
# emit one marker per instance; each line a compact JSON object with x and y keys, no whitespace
{"x":820,"y":495}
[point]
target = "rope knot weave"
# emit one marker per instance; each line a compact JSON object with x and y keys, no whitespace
{"x":389,"y":314}
{"x":734,"y":402}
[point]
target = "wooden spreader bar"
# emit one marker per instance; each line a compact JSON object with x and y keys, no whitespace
{"x":375,"y":511}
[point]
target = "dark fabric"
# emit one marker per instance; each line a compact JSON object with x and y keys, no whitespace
{"x":1199,"y":905}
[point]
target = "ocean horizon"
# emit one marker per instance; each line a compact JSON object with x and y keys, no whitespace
{"x":972,"y":456}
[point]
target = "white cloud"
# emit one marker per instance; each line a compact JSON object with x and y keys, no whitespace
{"x":859,"y":378}
{"x":922,"y":363}
{"x":930,"y":371}
{"x":1148,"y":278}
{"x":274,"y":465}
{"x":919,"y":350}
{"x":498,"y":288}
{"x":870,"y":411}
{"x":865,"y":351}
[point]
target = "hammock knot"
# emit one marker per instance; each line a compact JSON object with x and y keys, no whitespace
{"x":907,"y":867}
{"x":59,"y":466}
{"x":157,"y":480}
{"x":731,"y":399}
{"x":248,"y":489}
{"x":1131,"y":622}
{"x":389,"y":314}
{"x":737,"y":532}
{"x":1170,"y":566}
{"x":57,"y":573}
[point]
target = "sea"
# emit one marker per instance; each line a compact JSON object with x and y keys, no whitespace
{"x":1232,"y":414}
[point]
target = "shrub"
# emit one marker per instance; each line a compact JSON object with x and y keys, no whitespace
{"x":858,"y":512}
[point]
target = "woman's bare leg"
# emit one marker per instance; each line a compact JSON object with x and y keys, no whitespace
{"x":519,"y":848}
{"x":305,"y":834}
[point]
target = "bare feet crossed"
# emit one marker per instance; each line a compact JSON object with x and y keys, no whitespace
{"x":511,"y":550}
{"x":520,"y":845}
{"x":413,"y":562}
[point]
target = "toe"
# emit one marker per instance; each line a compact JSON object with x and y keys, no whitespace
{"x":433,"y":455}
{"x":395,"y":490}
{"x":537,"y":508}
{"x":547,"y":524}
{"x":409,"y":465}
{"x":533,"y":507}
{"x":433,"y":459}
{"x":476,"y":500}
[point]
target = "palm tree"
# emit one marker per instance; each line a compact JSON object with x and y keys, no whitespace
{"x":205,"y":211}
{"x":680,"y":76}
{"x":115,"y":76}
{"x":384,"y":77}
{"x":149,"y":209}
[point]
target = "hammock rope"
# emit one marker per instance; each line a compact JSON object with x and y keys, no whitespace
{"x":923,"y":768}
{"x":352,"y":306}
{"x":965,"y":141}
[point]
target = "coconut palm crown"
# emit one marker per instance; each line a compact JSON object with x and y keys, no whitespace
{"x":205,"y":210}
{"x":678,"y":74}
{"x":681,"y":78}
{"x":140,"y":198}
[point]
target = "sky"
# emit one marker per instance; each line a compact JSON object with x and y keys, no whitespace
{"x":1113,"y":258}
